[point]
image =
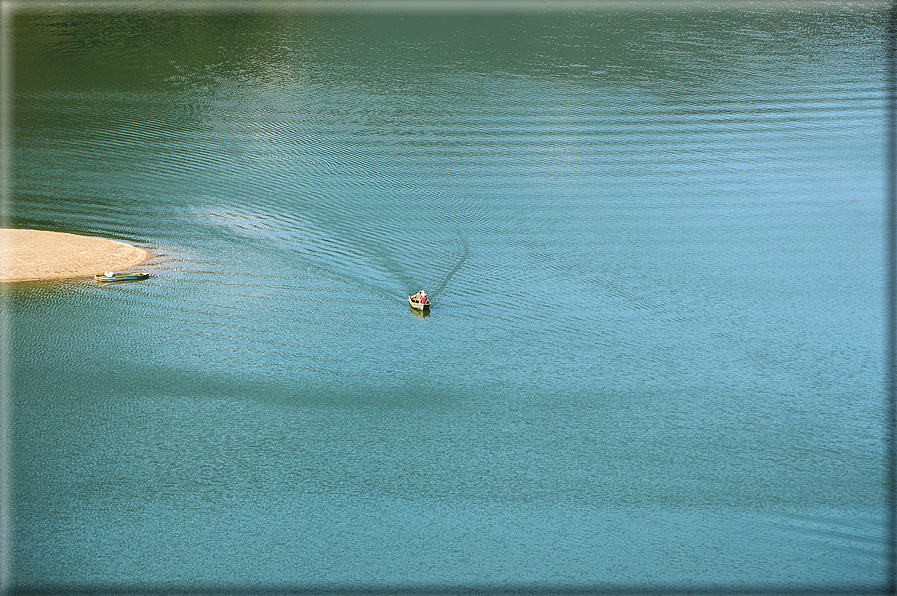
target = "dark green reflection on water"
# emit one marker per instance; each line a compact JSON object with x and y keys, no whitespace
{"x":139,"y":50}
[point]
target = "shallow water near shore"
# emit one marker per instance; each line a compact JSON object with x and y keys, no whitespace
{"x":653,"y":242}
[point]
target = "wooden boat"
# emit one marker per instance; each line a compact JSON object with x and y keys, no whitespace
{"x":416,"y":303}
{"x":109,"y":276}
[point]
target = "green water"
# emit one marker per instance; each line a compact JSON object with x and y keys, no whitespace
{"x":653,"y":242}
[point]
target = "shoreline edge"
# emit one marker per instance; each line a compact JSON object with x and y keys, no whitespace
{"x":34,"y":255}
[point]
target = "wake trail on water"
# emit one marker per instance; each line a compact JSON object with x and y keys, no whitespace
{"x":379,"y":259}
{"x":459,"y":262}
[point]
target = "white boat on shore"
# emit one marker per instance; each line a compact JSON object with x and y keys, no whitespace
{"x":110,"y":276}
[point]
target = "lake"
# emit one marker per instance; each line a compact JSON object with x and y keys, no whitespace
{"x":654,"y":244}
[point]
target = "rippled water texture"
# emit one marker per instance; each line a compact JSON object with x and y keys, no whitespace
{"x":653,"y":242}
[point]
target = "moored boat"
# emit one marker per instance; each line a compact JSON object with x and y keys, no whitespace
{"x":110,"y":276}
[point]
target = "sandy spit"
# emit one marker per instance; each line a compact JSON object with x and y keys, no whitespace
{"x":35,"y":254}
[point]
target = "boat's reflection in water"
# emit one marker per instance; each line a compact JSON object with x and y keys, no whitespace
{"x":419,"y":313}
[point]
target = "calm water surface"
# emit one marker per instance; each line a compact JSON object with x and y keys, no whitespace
{"x":654,"y":246}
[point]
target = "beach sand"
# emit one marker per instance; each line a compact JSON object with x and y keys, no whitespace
{"x":34,"y":254}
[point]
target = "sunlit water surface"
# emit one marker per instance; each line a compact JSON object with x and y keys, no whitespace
{"x":654,"y":246}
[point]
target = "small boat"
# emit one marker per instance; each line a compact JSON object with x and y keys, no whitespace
{"x":415,"y":302}
{"x":110,"y":276}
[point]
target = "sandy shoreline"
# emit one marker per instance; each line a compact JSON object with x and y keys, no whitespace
{"x":27,"y":255}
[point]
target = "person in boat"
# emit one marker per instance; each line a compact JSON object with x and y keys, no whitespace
{"x":422,"y":297}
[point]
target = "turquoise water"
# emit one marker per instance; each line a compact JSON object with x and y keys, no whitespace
{"x":653,"y":242}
